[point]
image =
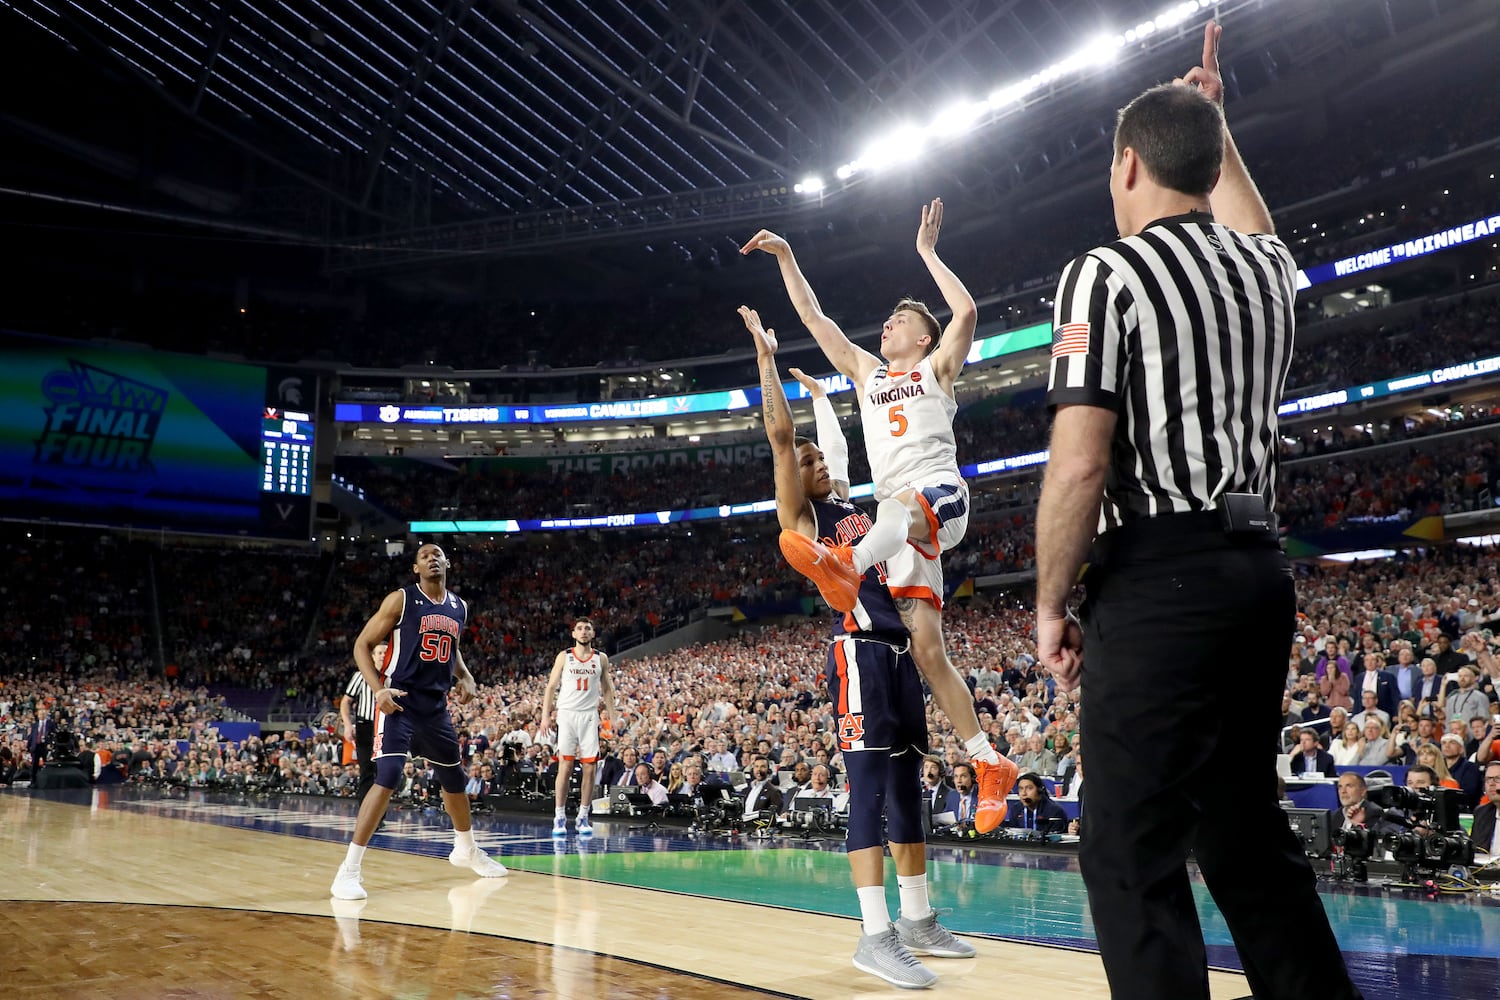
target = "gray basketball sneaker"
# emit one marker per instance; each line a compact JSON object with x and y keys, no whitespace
{"x":885,"y":956}
{"x":928,"y":937}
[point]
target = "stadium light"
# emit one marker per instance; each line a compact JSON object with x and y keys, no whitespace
{"x":809,"y":185}
{"x":959,"y":118}
{"x":908,"y":142}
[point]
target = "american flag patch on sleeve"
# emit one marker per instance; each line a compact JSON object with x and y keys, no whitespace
{"x":1070,"y":338}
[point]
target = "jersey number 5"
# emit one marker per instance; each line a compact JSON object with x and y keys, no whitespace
{"x":897,"y":419}
{"x":436,"y":647}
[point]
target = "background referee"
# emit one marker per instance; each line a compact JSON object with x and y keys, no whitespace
{"x":357,"y":709}
{"x":1169,"y":355}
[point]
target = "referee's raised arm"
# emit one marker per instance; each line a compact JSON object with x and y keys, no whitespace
{"x":1169,"y":355}
{"x":1235,"y":200}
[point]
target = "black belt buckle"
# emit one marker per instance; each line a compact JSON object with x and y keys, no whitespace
{"x":1245,"y":514}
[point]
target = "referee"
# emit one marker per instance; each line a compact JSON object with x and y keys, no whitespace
{"x":357,"y":710}
{"x":1169,"y":356}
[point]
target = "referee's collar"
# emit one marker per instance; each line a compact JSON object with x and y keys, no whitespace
{"x":1194,"y":216}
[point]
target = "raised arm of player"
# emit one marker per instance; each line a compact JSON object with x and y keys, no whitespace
{"x":376,"y":631}
{"x":1236,"y":200}
{"x":855,"y":362}
{"x":554,"y":681}
{"x":793,"y":511}
{"x":958,"y":336}
{"x":830,"y":435}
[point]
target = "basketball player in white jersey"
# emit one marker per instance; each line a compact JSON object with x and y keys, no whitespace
{"x":580,"y":681}
{"x":907,"y":409}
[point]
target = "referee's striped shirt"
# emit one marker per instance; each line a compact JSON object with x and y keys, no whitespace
{"x":1185,"y":331}
{"x":364,"y":698}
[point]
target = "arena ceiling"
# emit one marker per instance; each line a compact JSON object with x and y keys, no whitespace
{"x":514,"y":125}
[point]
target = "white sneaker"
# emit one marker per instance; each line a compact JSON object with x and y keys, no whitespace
{"x":478,"y":862}
{"x":560,"y":826}
{"x":583,"y":826}
{"x":347,"y":885}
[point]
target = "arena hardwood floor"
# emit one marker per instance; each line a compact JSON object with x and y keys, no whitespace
{"x":121,"y":902}
{"x":132,"y":892}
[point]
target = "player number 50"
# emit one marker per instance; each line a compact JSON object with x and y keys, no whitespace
{"x":436,"y":647}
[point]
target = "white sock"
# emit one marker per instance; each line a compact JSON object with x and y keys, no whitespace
{"x":872,"y":908}
{"x":914,"y":904}
{"x":892,"y":525}
{"x":354,"y":857}
{"x":561,"y":812}
{"x":978,"y":748}
{"x":464,"y":840}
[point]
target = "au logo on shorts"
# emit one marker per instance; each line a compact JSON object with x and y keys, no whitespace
{"x":851,"y":730}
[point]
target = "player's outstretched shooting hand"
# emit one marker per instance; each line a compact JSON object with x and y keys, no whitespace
{"x":767,"y":241}
{"x":932,"y":223}
{"x":765,"y":340}
{"x":1206,"y":77}
{"x":813,"y":386}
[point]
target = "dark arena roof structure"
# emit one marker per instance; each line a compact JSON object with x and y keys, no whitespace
{"x":394,"y":131}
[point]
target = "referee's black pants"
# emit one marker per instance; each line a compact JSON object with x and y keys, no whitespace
{"x":1186,"y":637}
{"x":364,"y":753}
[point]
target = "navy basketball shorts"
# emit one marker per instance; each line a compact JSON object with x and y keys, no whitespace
{"x":422,"y":729}
{"x":877,"y":696}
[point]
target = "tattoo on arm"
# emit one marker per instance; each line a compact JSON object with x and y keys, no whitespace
{"x":767,"y":387}
{"x":906,"y":607}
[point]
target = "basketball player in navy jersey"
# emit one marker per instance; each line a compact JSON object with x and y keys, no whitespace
{"x":421,"y":625}
{"x":874,"y":686}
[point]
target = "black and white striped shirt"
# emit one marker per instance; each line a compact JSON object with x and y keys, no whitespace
{"x":1185,"y":331}
{"x":364,"y":698}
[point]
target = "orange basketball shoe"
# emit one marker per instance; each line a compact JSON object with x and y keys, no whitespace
{"x":830,"y":567}
{"x":995,"y":783}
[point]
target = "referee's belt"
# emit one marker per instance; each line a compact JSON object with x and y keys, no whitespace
{"x":1240,"y":519}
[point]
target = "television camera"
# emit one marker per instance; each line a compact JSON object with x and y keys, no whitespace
{"x":1421,"y":833}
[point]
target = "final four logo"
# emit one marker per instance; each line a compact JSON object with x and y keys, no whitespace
{"x":99,"y":420}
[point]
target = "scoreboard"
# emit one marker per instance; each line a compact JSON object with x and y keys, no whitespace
{"x":286,"y":449}
{"x":101,"y":434}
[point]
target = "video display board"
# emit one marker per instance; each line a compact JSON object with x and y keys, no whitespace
{"x":94,"y":434}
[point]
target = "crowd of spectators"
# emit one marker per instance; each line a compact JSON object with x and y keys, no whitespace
{"x":1398,"y":485}
{"x":78,"y":602}
{"x":245,"y":621}
{"x":238,"y":616}
{"x":1366,"y":351}
{"x":145,"y":729}
{"x":760,"y":692}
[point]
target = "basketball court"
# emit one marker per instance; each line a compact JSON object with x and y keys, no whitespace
{"x":126,"y":893}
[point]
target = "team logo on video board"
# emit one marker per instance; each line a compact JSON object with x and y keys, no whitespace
{"x":99,"y":420}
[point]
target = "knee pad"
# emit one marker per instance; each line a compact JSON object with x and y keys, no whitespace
{"x":451,"y":777}
{"x":388,"y":770}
